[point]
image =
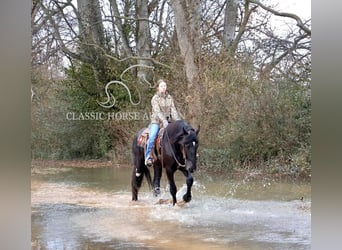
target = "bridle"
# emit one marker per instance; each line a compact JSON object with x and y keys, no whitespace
{"x":173,"y":153}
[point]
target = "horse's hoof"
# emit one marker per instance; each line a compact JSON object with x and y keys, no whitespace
{"x":164,"y":201}
{"x":156,"y":192}
{"x":181,"y":203}
{"x":186,"y":198}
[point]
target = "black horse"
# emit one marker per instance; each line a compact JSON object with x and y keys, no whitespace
{"x":178,"y":151}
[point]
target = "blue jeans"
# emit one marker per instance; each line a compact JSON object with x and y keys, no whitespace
{"x":154,"y":129}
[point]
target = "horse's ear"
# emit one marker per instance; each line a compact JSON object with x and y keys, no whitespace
{"x":198,"y":129}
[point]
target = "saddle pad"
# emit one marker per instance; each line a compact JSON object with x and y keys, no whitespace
{"x":142,"y":139}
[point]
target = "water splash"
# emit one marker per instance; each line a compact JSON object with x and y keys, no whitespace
{"x":73,"y":215}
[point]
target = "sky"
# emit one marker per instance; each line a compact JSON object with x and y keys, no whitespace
{"x":301,"y":8}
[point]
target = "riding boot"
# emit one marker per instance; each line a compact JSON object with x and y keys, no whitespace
{"x":149,"y":161}
{"x":154,"y":129}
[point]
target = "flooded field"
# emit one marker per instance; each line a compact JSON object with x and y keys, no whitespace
{"x":91,"y":208}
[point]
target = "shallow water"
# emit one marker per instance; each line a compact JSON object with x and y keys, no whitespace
{"x":82,"y":208}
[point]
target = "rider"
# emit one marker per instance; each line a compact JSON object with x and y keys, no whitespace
{"x":163,"y":111}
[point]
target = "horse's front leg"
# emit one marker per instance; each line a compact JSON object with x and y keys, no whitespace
{"x":189,"y":182}
{"x":156,"y":178}
{"x":173,"y":189}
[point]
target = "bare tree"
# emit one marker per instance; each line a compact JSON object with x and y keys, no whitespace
{"x":273,"y":53}
{"x":188,"y":36}
{"x":135,"y":36}
{"x":230,"y":24}
{"x":90,"y":22}
{"x":299,"y":21}
{"x":118,"y":24}
{"x":143,"y":39}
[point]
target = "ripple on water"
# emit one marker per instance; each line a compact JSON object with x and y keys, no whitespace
{"x":72,"y":215}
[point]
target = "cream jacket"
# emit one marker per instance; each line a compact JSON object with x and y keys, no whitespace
{"x":163,"y":107}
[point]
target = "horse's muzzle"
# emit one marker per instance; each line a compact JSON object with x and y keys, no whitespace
{"x":190,"y":166}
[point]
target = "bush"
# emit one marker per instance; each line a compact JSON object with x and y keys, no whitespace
{"x":254,"y":122}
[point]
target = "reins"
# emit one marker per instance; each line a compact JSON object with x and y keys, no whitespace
{"x":173,"y":153}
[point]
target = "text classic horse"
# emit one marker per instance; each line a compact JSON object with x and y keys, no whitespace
{"x":178,"y":151}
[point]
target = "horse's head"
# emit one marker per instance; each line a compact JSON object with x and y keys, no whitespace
{"x":189,"y":146}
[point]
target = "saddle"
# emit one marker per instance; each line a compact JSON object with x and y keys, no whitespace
{"x":143,"y":138}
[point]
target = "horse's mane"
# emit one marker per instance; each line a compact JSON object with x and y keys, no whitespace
{"x":176,"y":131}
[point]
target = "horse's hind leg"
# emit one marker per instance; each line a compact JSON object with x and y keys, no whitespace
{"x":138,"y":173}
{"x":189,"y":182}
{"x":136,"y":182}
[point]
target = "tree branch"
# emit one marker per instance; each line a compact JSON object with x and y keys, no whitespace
{"x":58,"y":35}
{"x":268,"y":68}
{"x":242,"y":29}
{"x":299,"y":21}
{"x":127,"y":57}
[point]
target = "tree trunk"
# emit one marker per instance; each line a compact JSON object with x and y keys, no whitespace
{"x":187,"y":35}
{"x":91,"y":25}
{"x":119,"y":26}
{"x":92,"y":38}
{"x":230,"y":23}
{"x":143,"y":40}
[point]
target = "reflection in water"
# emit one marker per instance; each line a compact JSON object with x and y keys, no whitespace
{"x":92,"y":209}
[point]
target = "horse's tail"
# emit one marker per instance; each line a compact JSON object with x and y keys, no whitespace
{"x":140,"y":169}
